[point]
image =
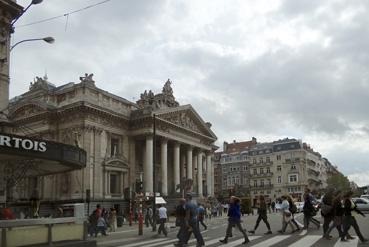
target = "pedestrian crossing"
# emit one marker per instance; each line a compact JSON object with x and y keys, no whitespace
{"x":290,"y":240}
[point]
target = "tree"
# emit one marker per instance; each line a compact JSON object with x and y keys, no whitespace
{"x":338,"y":182}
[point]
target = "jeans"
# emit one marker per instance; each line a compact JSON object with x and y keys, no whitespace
{"x":193,"y":224}
{"x":337,"y":223}
{"x":349,"y":221}
{"x":236,"y":223}
{"x":162,"y":226}
{"x":262,"y":217}
{"x":308,"y":218}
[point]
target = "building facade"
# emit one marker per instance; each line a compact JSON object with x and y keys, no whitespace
{"x":118,"y":137}
{"x":273,"y":169}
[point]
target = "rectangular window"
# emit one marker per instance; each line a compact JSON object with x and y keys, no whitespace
{"x":268,"y":169}
{"x":269,"y":182}
{"x":255,"y":183}
{"x":114,"y":183}
{"x":279,"y":168}
{"x":255,"y":172}
{"x":279,"y":179}
{"x":292,"y":178}
{"x":261,"y":160}
{"x":254,"y":161}
{"x":267,"y":159}
{"x":278,"y":157}
{"x":114,"y":147}
{"x":261,"y":170}
{"x":293,"y":167}
{"x":262,"y":183}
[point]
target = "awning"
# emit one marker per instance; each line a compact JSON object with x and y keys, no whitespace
{"x":160,"y":200}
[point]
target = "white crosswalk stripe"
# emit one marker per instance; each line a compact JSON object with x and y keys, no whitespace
{"x":302,"y":241}
{"x":308,"y":240}
{"x":353,"y":242}
{"x":303,"y":232}
{"x":272,"y":241}
{"x":152,"y":241}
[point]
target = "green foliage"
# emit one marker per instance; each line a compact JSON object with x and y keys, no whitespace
{"x":338,"y":182}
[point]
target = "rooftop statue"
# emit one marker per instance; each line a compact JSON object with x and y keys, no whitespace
{"x":87,"y":78}
{"x":167,"y":89}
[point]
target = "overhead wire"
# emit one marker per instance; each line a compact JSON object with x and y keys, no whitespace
{"x":63,"y":15}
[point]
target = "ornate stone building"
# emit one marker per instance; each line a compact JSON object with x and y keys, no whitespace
{"x":118,"y":137}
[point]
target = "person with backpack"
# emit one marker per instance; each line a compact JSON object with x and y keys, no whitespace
{"x":293,"y":210}
{"x":327,"y":213}
{"x":200,"y":216}
{"x":234,"y":220}
{"x":101,"y":226}
{"x":309,"y":210}
{"x":262,"y":216}
{"x":190,"y":224}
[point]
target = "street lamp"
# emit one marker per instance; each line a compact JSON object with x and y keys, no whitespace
{"x":33,"y":2}
{"x":49,"y":40}
{"x":154,"y":173}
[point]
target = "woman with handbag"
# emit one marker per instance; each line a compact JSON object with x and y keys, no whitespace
{"x":337,"y":217}
{"x":286,"y":215}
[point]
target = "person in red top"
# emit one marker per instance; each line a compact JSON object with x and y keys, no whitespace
{"x":7,"y":214}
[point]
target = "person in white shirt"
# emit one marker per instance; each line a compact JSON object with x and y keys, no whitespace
{"x":162,"y":219}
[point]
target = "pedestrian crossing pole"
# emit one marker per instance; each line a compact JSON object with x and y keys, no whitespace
{"x":140,"y":217}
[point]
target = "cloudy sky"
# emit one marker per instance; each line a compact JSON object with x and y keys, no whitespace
{"x":269,"y":69}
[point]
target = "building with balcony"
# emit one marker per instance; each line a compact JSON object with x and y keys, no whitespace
{"x":272,"y":169}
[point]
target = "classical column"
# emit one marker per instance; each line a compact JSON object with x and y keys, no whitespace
{"x":176,"y":165}
{"x":148,"y":165}
{"x":208,"y":175}
{"x":194,"y":167}
{"x":189,"y":162}
{"x":199,"y":174}
{"x":164,"y":167}
{"x":183,"y":168}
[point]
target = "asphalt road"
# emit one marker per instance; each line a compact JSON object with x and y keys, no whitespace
{"x":216,"y":230}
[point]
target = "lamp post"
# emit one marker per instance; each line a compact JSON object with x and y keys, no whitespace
{"x":49,"y":40}
{"x":154,"y":174}
{"x":33,"y":2}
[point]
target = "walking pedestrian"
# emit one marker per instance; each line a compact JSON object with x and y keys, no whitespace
{"x":309,"y":210}
{"x":113,"y":220}
{"x":338,"y":212}
{"x":234,"y":220}
{"x":162,"y":219}
{"x":273,"y":206}
{"x":262,"y":216}
{"x":148,"y":216}
{"x":327,"y":213}
{"x":191,"y":221}
{"x":200,"y":216}
{"x":286,"y":215}
{"x":181,"y":223}
{"x":348,"y":219}
{"x":293,"y":210}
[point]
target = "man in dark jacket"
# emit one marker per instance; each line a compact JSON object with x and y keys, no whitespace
{"x":262,"y":216}
{"x":309,"y":210}
{"x":327,"y":212}
{"x":234,"y":220}
{"x":348,"y":219}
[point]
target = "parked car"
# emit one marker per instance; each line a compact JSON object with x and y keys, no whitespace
{"x":361,"y":203}
{"x":365,"y":196}
{"x":299,"y":206}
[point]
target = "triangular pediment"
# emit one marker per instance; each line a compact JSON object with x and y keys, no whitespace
{"x":186,"y":117}
{"x":26,"y":110}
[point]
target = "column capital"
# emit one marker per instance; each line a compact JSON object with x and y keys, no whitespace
{"x":164,"y":140}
